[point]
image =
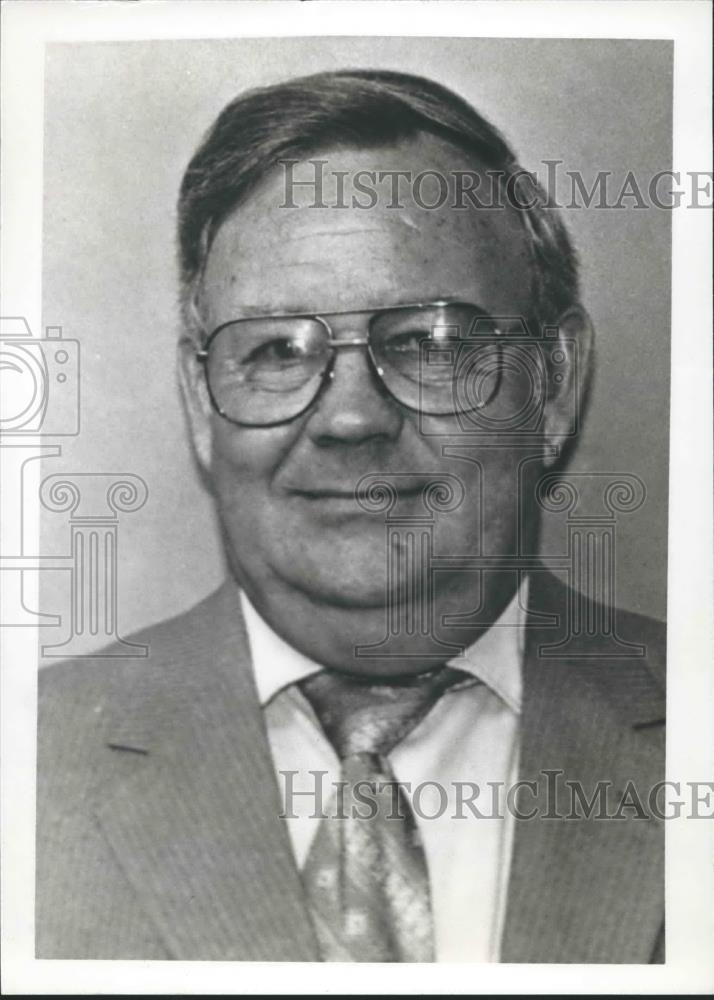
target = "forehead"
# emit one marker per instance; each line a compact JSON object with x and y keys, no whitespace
{"x":357,"y":234}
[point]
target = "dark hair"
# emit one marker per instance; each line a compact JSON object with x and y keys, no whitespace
{"x":361,"y":109}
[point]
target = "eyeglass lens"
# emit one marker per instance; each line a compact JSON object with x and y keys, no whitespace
{"x":438,"y":359}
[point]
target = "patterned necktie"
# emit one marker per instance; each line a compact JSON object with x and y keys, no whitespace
{"x":365,"y":876}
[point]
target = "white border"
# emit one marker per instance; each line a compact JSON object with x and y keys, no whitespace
{"x":690,"y":880}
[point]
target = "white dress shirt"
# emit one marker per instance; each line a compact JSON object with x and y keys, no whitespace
{"x":471,"y":735}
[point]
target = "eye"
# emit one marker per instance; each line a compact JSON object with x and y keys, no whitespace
{"x":280,"y":351}
{"x":407,"y":341}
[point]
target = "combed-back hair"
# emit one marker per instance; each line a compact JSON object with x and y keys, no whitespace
{"x":360,"y":109}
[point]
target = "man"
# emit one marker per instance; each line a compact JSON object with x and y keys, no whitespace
{"x":379,"y":382}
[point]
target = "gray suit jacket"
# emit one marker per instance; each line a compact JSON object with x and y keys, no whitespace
{"x":158,"y":833}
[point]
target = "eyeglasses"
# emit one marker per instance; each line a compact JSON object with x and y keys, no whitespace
{"x":438,"y":358}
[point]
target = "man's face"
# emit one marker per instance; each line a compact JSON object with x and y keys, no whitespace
{"x":286,"y":493}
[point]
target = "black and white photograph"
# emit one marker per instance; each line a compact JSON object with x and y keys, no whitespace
{"x":354,"y":502}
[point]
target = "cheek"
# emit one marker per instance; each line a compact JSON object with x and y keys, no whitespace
{"x":486,"y":520}
{"x":244,"y":459}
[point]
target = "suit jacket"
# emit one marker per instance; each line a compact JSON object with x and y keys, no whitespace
{"x":158,"y":833}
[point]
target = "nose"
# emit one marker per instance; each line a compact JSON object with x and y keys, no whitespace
{"x":354,"y":407}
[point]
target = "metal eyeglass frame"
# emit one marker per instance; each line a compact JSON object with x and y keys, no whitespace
{"x":333,"y":343}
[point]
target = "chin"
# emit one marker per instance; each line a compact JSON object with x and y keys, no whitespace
{"x":333,"y":569}
{"x":338,"y":586}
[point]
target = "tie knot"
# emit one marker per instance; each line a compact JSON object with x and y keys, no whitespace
{"x":361,"y":715}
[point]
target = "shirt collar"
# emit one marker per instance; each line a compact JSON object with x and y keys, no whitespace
{"x":495,"y":658}
{"x":276,"y":665}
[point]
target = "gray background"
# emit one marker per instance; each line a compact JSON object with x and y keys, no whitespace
{"x":123,"y":119}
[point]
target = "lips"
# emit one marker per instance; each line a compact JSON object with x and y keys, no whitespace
{"x":340,"y":493}
{"x":361,"y":501}
{"x":326,"y":494}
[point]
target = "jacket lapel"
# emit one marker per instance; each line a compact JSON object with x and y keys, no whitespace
{"x":195,"y":825}
{"x":585,"y":890}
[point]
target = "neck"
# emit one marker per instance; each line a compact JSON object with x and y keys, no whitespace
{"x":384,"y":641}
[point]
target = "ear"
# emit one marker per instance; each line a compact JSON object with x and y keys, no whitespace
{"x":196,"y":400}
{"x":569,"y":383}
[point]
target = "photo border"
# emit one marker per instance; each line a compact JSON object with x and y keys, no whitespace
{"x":28,"y":26}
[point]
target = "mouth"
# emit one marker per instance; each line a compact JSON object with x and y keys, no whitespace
{"x":352,"y":497}
{"x":327,"y":494}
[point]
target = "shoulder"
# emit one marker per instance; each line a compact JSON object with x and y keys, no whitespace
{"x":80,"y":700}
{"x":620,"y":656}
{"x":145,"y":654}
{"x":73,"y":682}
